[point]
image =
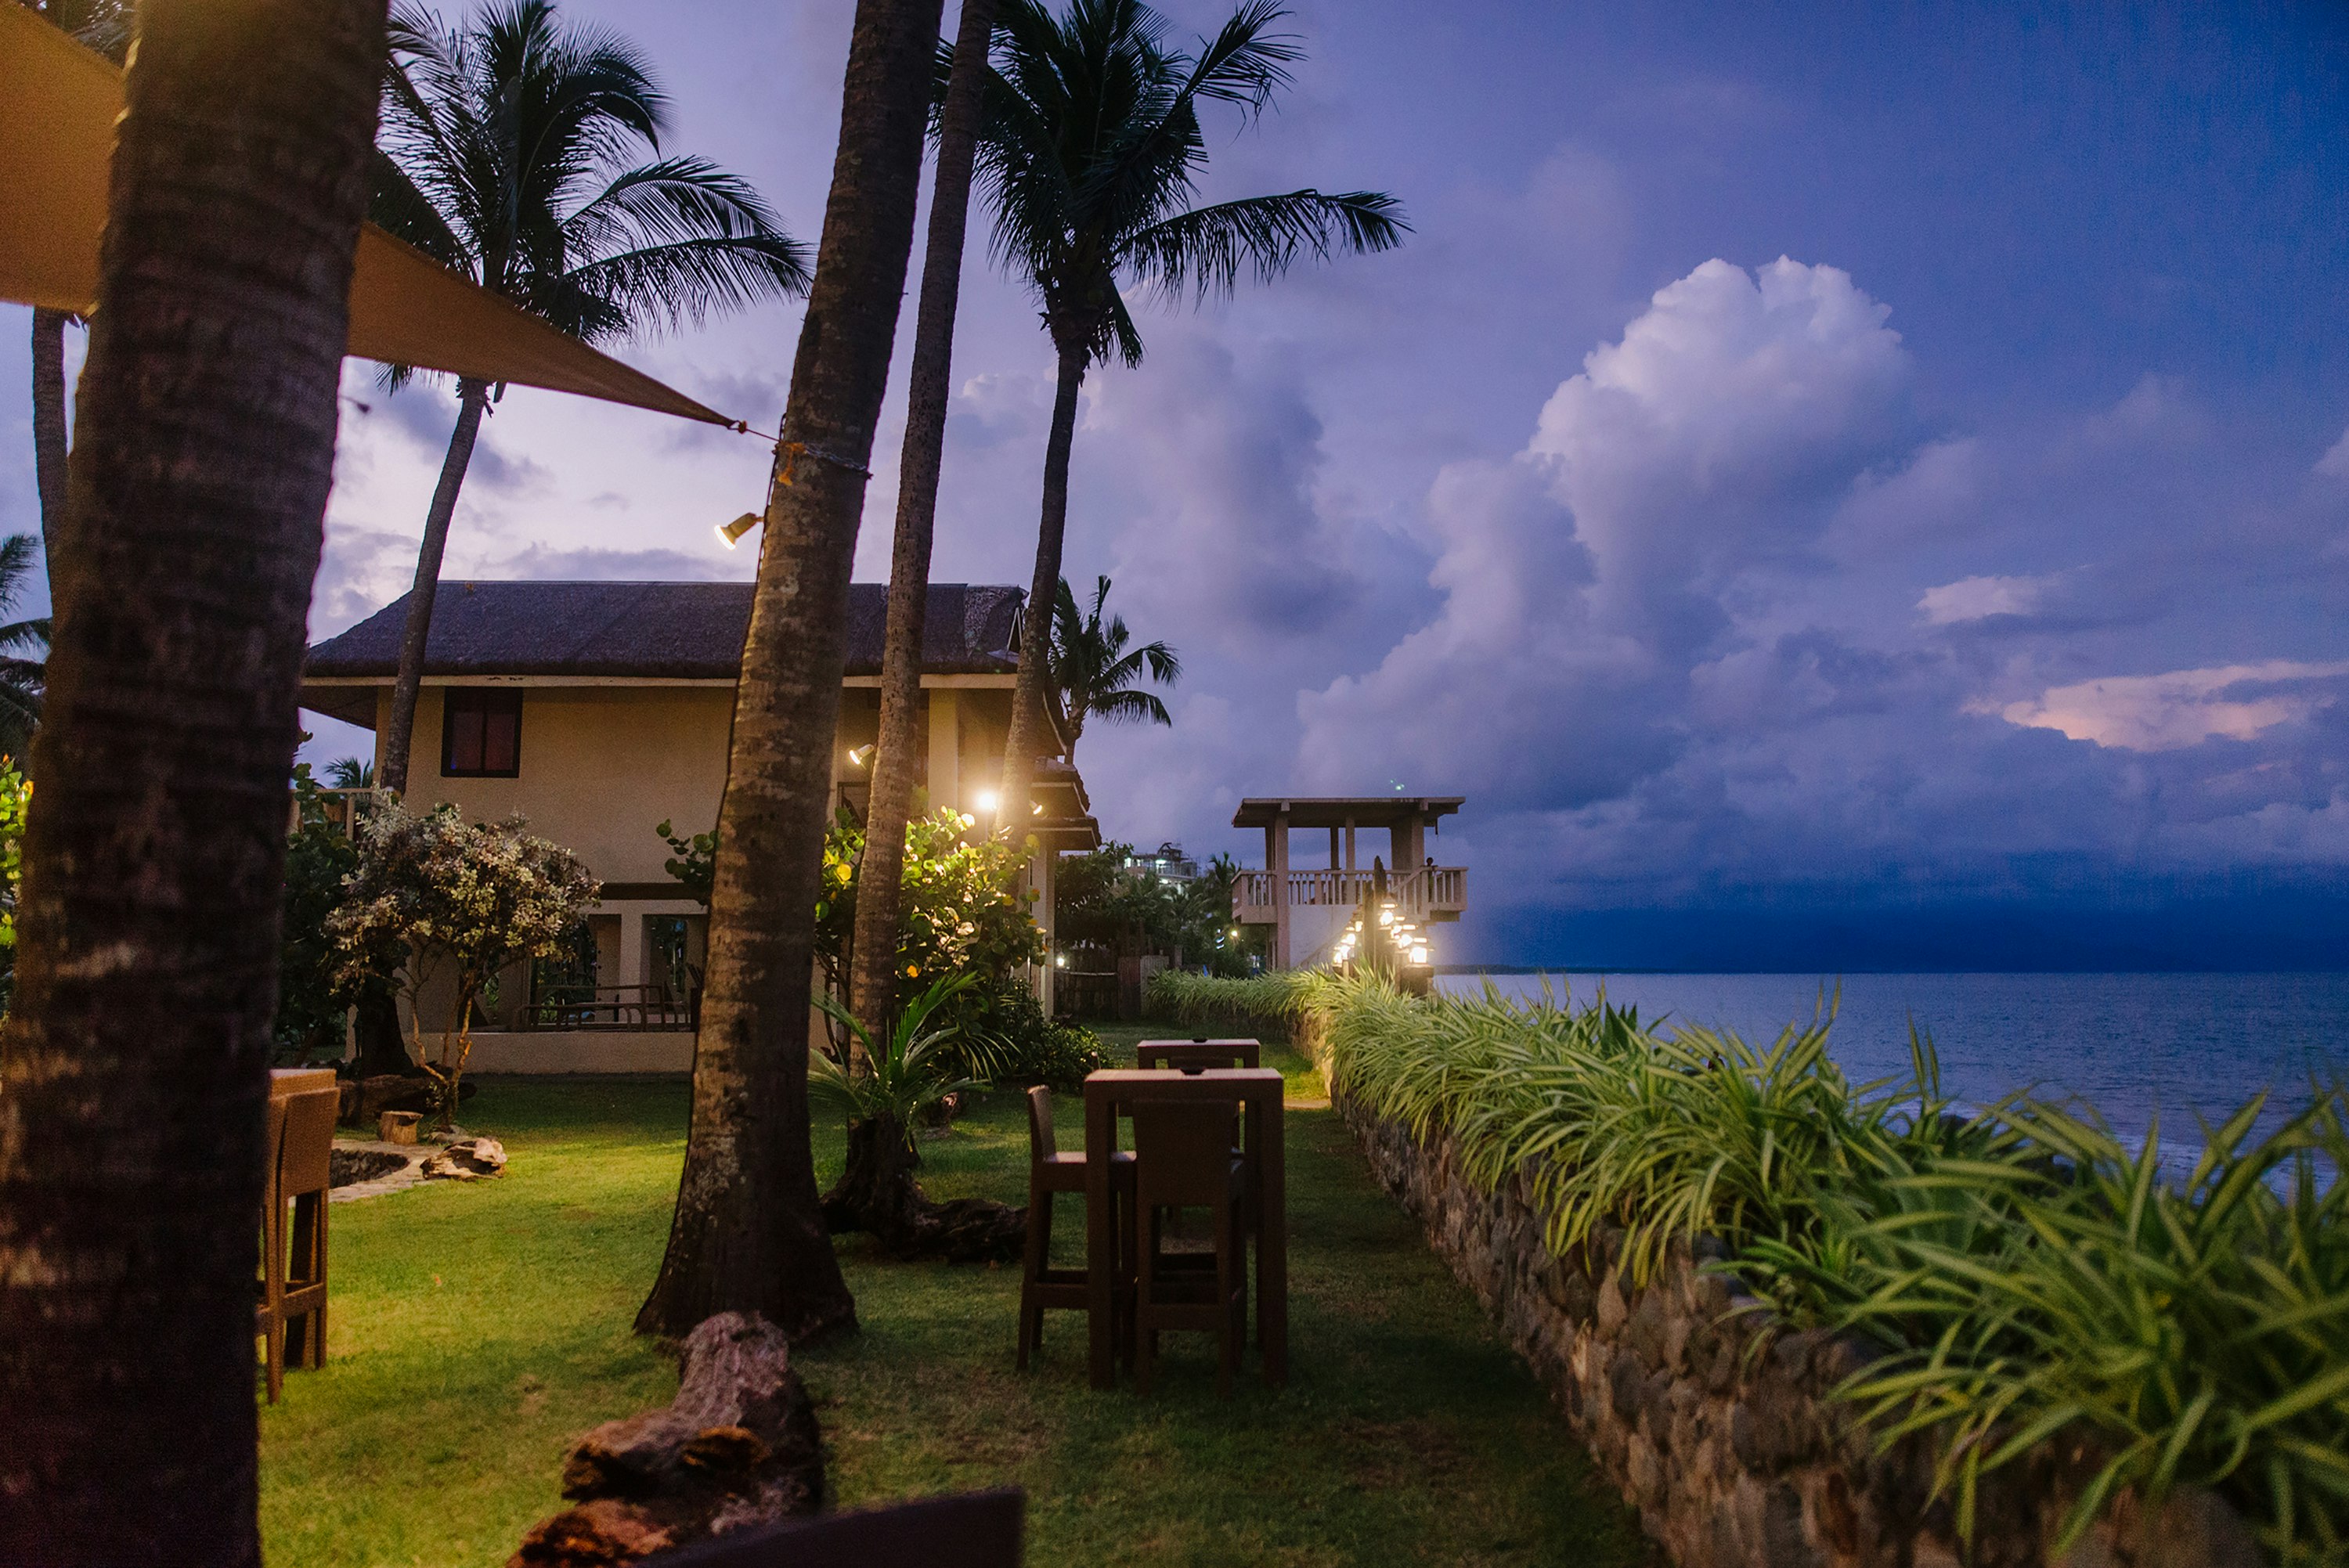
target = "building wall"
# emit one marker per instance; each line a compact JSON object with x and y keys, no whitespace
{"x":602,"y":765}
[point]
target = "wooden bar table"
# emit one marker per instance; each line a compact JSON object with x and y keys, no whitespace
{"x":1257,"y":1090}
{"x":285,"y":1082}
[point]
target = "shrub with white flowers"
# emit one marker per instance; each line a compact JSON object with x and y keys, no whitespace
{"x":464,"y":900}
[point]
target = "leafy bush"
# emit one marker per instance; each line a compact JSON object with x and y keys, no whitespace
{"x":1020,"y":1045}
{"x":2029,"y":1273}
{"x":314,"y":992}
{"x":1272,"y":1001}
{"x":16,"y":798}
{"x":443,"y":895}
{"x":1099,"y":899}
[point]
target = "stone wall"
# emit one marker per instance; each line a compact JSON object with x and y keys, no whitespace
{"x":1716,"y":1421}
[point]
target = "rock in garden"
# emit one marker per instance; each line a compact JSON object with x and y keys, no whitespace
{"x":739,"y":1446}
{"x":467,"y":1159}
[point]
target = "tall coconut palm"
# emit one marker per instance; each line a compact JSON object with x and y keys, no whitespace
{"x":507,"y":147}
{"x":748,"y":1231}
{"x":132,"y":1064}
{"x":22,"y":645}
{"x":873,"y":980}
{"x":1096,"y":676}
{"x":1092,"y":152}
{"x":103,"y":25}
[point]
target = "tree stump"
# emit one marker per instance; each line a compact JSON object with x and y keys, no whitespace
{"x":739,"y":1446}
{"x":877,"y":1193}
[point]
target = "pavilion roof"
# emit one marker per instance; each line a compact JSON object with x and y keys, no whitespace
{"x":1337,"y":810}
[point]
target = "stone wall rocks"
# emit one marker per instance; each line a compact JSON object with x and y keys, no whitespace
{"x":1715,"y":1420}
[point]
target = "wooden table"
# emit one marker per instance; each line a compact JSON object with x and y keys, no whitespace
{"x":1258,"y":1091}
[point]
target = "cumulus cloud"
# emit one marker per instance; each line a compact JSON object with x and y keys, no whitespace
{"x":2334,"y":463}
{"x":1979,"y":598}
{"x":1585,"y":579}
{"x":2181,"y":709}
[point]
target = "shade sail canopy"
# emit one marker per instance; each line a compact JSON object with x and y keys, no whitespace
{"x":58,"y":105}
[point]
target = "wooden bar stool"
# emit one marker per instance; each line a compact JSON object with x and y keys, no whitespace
{"x":305,"y":1176}
{"x":269,"y":1318}
{"x":1184,"y":1159}
{"x":1196,"y":1055}
{"x":1043,"y":1287}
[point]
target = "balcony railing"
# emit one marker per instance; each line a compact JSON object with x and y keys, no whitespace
{"x":1433,"y":893}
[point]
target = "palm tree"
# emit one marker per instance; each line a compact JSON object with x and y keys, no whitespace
{"x":748,"y":1231}
{"x":133,"y":1059}
{"x":103,"y":25}
{"x":22,"y":645}
{"x":350,"y":773}
{"x":1091,"y":150}
{"x":1094,"y":673}
{"x":873,"y":980}
{"x":505,"y":158}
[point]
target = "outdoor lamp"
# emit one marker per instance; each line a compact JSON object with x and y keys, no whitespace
{"x":1386,"y":917}
{"x":1037,"y":809}
{"x":1418,"y":954}
{"x":860,"y":756}
{"x":1060,"y":961}
{"x":987,"y":801}
{"x":729,"y":532}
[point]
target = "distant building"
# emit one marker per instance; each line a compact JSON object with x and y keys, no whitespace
{"x":599,"y":710}
{"x":1307,"y":907}
{"x":1167,"y":860}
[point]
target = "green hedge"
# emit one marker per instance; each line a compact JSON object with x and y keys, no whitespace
{"x":2027,"y":1272}
{"x":1272,"y":1002}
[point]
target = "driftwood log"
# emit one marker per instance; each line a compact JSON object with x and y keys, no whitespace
{"x":739,"y":1446}
{"x":877,"y":1193}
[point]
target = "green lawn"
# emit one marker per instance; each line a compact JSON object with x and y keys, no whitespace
{"x":477,"y":1329}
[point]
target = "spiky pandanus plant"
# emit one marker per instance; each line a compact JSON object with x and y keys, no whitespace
{"x":891,"y":1080}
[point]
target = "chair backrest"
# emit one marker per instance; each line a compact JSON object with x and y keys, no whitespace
{"x":1182,"y":1151}
{"x":273,"y":1146}
{"x":981,"y":1530}
{"x":1041,"y":1145}
{"x":1191,"y":1056}
{"x":307,"y":1162}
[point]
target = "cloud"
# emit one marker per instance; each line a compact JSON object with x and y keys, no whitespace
{"x":2182,"y":708}
{"x":1584,"y":580}
{"x":2334,"y":463}
{"x":1979,"y":598}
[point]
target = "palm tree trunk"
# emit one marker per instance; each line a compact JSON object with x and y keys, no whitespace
{"x":49,"y":423}
{"x":897,"y":753}
{"x":1026,"y":739}
{"x":472,"y":399}
{"x":749,"y":1232}
{"x":130,"y":1123}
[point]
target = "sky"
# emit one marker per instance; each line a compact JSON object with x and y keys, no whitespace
{"x":1833,"y":486}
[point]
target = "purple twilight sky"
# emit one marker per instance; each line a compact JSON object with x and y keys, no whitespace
{"x":1835,"y":486}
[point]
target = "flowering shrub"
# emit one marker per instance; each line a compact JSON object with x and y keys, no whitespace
{"x":467,"y":900}
{"x":15,"y":796}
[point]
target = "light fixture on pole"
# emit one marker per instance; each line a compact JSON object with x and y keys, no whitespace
{"x":729,"y":534}
{"x":860,"y":756}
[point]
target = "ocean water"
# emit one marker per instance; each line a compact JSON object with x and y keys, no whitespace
{"x":2138,"y":1048}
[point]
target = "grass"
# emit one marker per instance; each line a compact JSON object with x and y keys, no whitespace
{"x":478,"y":1329}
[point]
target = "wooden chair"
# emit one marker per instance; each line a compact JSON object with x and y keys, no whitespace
{"x":269,"y":1318}
{"x":1184,"y":1159}
{"x":1196,"y":1055}
{"x":1043,"y":1287}
{"x":305,"y":1176}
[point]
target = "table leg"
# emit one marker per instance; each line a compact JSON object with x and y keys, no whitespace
{"x":1272,"y":1238}
{"x":1101,"y":1240}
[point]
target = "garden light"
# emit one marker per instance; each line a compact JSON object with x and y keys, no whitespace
{"x":729,"y":532}
{"x":987,"y":801}
{"x":1418,"y":954}
{"x":859,"y":757}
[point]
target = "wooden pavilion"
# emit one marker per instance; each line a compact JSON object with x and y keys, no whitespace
{"x":1298,"y":904}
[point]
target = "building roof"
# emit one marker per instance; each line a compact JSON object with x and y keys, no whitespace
{"x":671,"y":631}
{"x":1337,"y":810}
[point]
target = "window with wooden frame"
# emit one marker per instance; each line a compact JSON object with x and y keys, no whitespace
{"x":481,"y":732}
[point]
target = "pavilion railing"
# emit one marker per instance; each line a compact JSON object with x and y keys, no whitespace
{"x":1428,"y":890}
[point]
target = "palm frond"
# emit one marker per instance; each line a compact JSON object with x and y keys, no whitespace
{"x":1205,"y":249}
